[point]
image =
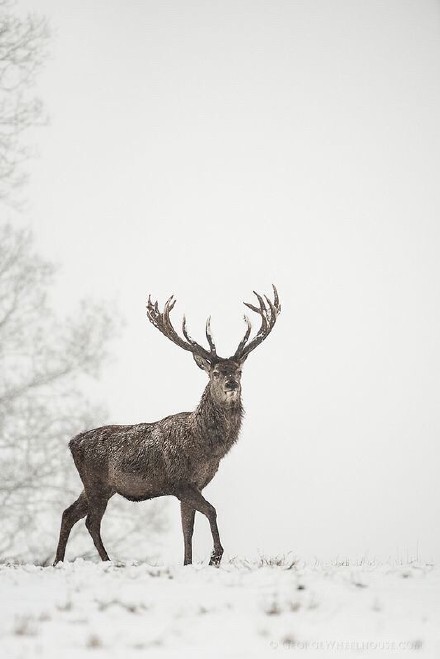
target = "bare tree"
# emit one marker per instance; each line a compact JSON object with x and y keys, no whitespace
{"x":178,"y":455}
{"x":44,"y":359}
{"x":23,"y":48}
{"x":41,"y":363}
{"x":44,"y":362}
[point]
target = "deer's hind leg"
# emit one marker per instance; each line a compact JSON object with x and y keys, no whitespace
{"x":71,"y":516}
{"x":98,"y":500}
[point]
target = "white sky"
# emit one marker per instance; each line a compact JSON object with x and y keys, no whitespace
{"x":209,"y":148}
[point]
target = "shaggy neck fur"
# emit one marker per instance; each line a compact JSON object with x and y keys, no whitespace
{"x":218,"y":423}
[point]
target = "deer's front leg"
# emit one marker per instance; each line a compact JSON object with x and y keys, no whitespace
{"x":187,"y":513}
{"x":192,"y":498}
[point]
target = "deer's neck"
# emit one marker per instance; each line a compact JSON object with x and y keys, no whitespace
{"x":218,"y":424}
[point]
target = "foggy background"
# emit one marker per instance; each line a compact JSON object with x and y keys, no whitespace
{"x":207,"y":149}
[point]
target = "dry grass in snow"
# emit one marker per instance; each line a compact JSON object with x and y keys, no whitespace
{"x":243,"y":609}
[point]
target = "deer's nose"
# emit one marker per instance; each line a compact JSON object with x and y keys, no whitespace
{"x":231,"y":385}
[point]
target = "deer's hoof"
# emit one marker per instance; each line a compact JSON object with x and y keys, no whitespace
{"x":215,"y":560}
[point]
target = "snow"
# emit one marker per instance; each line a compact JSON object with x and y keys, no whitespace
{"x":243,"y":609}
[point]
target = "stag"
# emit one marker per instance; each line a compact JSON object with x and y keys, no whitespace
{"x":178,"y":455}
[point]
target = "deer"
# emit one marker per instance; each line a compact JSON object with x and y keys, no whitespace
{"x":176,"y":456}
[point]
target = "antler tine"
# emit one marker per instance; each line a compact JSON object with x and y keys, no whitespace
{"x":165,"y":316}
{"x":162,"y":321}
{"x":275,"y":306}
{"x":152,"y":313}
{"x":169,"y":305}
{"x":263,"y":312}
{"x":246,"y":336}
{"x":273,"y":310}
{"x":195,"y":345}
{"x":209,"y":336}
{"x":268,"y":314}
{"x":276,"y":299}
{"x":185,"y":332}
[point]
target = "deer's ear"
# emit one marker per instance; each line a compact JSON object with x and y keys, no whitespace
{"x":202,"y":363}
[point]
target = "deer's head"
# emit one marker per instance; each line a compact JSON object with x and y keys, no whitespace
{"x":224,"y":374}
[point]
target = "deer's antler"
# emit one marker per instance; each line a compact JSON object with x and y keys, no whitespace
{"x":268,"y":311}
{"x":161,"y":320}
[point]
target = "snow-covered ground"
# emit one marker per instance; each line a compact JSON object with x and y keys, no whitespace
{"x":242,"y":609}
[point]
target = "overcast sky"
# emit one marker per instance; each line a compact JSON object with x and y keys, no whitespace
{"x":209,"y":148}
